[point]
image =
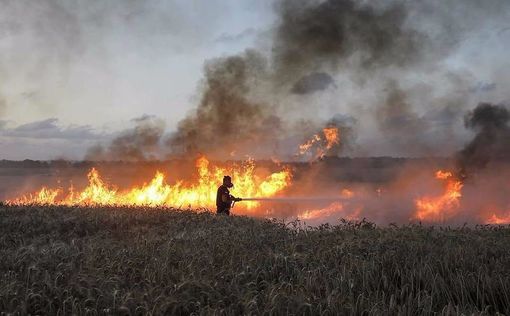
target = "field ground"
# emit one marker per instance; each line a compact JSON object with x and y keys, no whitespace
{"x":58,"y":260}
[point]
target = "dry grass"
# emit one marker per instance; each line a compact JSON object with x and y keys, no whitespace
{"x":137,"y":261}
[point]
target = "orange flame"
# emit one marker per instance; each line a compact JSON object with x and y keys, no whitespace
{"x":440,"y":208}
{"x":498,"y":220}
{"x":497,"y":215}
{"x":335,"y":208}
{"x":305,"y":147}
{"x":321,"y":143}
{"x":158,"y":193}
{"x":332,"y":136}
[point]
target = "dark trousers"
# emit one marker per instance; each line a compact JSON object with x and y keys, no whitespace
{"x":223,"y":210}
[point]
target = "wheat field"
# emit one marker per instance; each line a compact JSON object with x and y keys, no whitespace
{"x":130,"y":261}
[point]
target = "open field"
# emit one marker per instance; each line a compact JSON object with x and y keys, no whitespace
{"x":58,"y":260}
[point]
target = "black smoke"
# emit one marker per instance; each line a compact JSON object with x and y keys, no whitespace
{"x":227,"y":119}
{"x":242,"y":95}
{"x":312,"y":83}
{"x":313,"y":35}
{"x":492,"y":140}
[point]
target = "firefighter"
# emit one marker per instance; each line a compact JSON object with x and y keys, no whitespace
{"x":224,"y":200}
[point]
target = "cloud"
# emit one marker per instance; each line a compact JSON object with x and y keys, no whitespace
{"x":49,"y":129}
{"x":46,"y":139}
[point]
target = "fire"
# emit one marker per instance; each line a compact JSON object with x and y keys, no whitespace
{"x":443,"y":175}
{"x":158,"y":192}
{"x":496,"y":215}
{"x":332,"y":137}
{"x":498,"y":220}
{"x":304,"y":148}
{"x":346,"y":193}
{"x":335,"y":208}
{"x":321,"y":143}
{"x":440,"y":208}
{"x":44,"y":196}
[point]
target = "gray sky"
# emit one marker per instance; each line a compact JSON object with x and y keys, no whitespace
{"x":77,"y":72}
{"x":90,"y":67}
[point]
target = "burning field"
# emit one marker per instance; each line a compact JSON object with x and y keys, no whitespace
{"x":199,"y":194}
{"x":326,"y":190}
{"x":367,"y":143}
{"x":470,"y":188}
{"x":309,"y":120}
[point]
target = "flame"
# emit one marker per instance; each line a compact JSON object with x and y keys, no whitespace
{"x":497,"y":215}
{"x":335,"y":208}
{"x":304,"y":148}
{"x":332,"y":136}
{"x":157,"y":192}
{"x":443,"y":175}
{"x":440,"y":208}
{"x":322,"y":143}
{"x":498,"y":220}
{"x":44,"y":196}
{"x":346,"y":193}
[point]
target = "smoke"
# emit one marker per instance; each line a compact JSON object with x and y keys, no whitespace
{"x":313,"y":35}
{"x":492,"y":140}
{"x":140,"y":143}
{"x":314,"y":82}
{"x":247,"y":100}
{"x":227,"y":119}
{"x":399,"y":122}
{"x":75,"y":59}
{"x":257,"y":98}
{"x":405,"y":70}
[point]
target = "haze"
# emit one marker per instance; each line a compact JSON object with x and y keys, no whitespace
{"x":78,"y":74}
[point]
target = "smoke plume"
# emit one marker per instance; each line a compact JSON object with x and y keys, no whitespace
{"x":314,"y":82}
{"x":314,"y":35}
{"x":227,"y":119}
{"x":383,"y":64}
{"x":246,"y":99}
{"x":140,"y":143}
{"x":399,"y":122}
{"x":492,"y":140}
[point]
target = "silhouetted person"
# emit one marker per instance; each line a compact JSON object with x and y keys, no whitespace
{"x":224,"y":199}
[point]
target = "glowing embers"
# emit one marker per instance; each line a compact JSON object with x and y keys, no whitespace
{"x":442,"y":207}
{"x":157,"y":192}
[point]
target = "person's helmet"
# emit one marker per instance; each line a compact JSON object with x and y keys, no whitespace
{"x":227,"y":181}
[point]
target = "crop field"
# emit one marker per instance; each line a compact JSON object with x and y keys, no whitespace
{"x":62,"y":260}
